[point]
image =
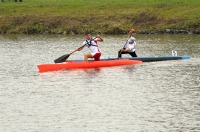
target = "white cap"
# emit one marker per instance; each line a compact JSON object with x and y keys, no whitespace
{"x":131,"y":39}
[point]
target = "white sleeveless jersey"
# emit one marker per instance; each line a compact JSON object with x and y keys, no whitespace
{"x":93,"y":47}
{"x":130,"y":46}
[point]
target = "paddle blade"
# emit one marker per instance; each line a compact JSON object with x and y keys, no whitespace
{"x":62,"y":58}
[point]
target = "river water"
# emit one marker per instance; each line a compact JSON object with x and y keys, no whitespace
{"x":153,"y":96}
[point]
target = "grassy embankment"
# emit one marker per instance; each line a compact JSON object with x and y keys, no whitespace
{"x":105,"y":16}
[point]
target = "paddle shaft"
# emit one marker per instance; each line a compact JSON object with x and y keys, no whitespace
{"x":73,"y":51}
{"x":77,"y":49}
{"x":121,"y":49}
{"x":65,"y":57}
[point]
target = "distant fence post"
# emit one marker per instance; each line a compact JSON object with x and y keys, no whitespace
{"x":15,"y":0}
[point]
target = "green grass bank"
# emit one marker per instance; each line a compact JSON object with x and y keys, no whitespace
{"x":99,"y":16}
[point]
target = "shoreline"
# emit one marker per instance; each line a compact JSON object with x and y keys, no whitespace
{"x":167,"y":31}
{"x":70,"y":32}
{"x":75,"y":17}
{"x":171,"y":31}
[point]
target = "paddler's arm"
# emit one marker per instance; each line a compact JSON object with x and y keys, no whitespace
{"x":80,"y":48}
{"x":99,"y":38}
{"x":131,"y":32}
{"x":125,"y":50}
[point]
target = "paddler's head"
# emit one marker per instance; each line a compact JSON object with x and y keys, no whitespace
{"x":131,"y":40}
{"x":88,"y":36}
{"x":132,"y":30}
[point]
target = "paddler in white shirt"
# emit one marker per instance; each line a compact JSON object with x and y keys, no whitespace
{"x":91,"y":43}
{"x":129,"y":47}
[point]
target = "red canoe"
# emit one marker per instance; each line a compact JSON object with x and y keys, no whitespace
{"x":89,"y":64}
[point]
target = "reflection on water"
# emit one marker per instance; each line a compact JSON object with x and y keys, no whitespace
{"x":156,"y":96}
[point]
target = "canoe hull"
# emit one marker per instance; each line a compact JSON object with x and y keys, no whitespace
{"x":147,"y":59}
{"x":90,"y":64}
{"x":159,"y":58}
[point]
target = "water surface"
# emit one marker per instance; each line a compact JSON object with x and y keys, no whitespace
{"x":156,"y":96}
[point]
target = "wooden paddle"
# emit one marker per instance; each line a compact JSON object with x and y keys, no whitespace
{"x":65,"y":57}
